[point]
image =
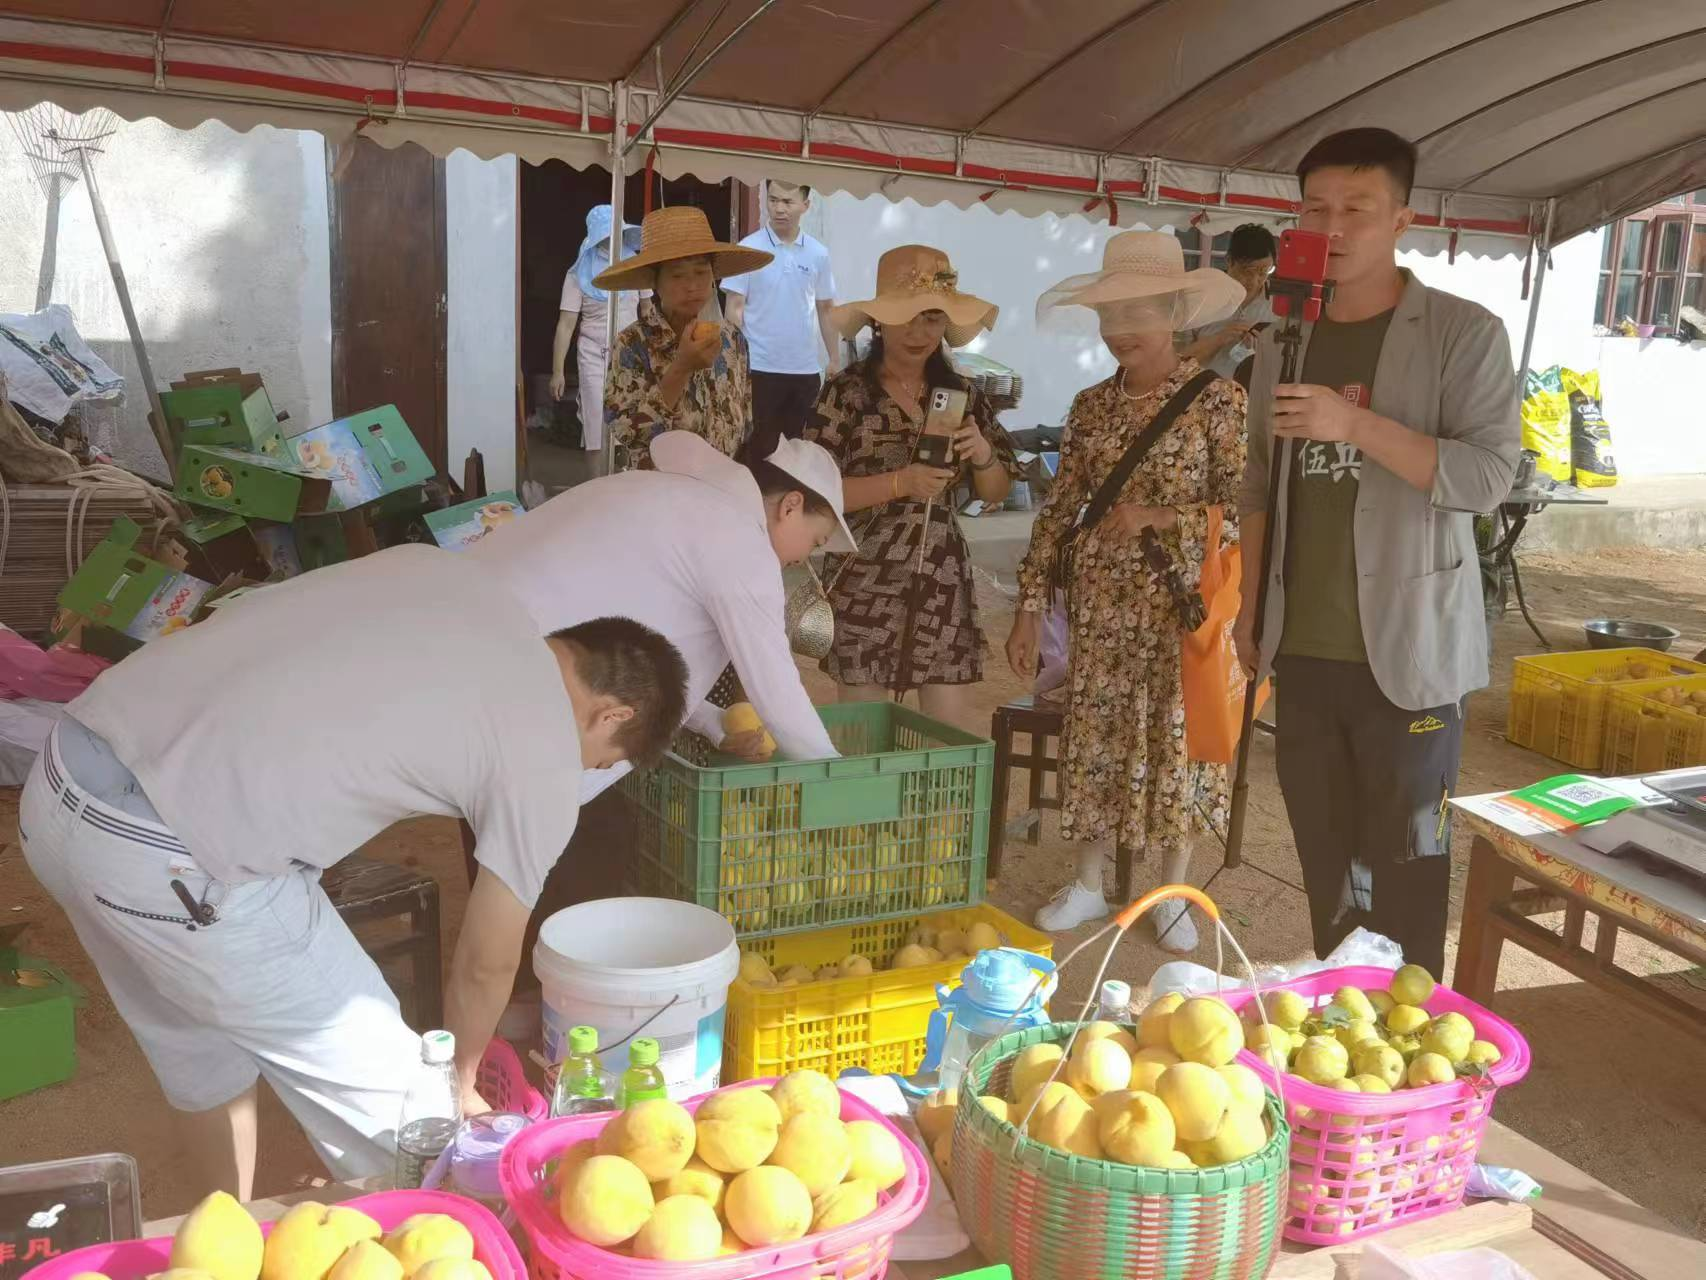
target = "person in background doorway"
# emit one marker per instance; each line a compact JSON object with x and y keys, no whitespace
{"x":676,"y":368}
{"x":184,"y":835}
{"x":1126,"y":776}
{"x":784,"y":311}
{"x":1225,"y":346}
{"x":1403,"y":425}
{"x":586,"y":306}
{"x":898,"y":626}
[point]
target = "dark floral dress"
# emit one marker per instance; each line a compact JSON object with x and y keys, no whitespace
{"x":716,"y":403}
{"x":1125,"y":773}
{"x":869,"y":434}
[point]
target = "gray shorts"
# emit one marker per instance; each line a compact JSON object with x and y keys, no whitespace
{"x":267,"y":982}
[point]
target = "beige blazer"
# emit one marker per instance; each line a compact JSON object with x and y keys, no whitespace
{"x":1444,"y":370}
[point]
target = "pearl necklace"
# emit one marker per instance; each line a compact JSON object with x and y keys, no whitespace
{"x":1120,"y":384}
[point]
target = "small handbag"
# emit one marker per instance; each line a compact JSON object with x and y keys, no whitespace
{"x":807,"y":613}
{"x":1091,"y":513}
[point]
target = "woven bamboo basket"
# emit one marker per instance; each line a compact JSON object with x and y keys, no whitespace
{"x":1054,"y":1216}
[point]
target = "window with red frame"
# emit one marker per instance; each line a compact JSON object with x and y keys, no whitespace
{"x":1653,"y":264}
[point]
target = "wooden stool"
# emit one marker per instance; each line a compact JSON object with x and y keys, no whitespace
{"x":1041,"y":722}
{"x":364,"y":891}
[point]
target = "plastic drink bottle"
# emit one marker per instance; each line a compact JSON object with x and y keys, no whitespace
{"x":998,"y":993}
{"x":432,"y":1110}
{"x":642,"y":1079}
{"x":582,"y":1086}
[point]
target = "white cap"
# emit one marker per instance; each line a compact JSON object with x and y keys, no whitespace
{"x":438,"y":1047}
{"x":812,"y":465}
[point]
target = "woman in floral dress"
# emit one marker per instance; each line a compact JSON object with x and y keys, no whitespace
{"x":1126,"y":777}
{"x":904,"y":619}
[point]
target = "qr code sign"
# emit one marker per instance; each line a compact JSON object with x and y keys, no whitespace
{"x":1584,"y":793}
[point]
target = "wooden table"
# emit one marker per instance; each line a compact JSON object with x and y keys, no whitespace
{"x":1558,"y":872}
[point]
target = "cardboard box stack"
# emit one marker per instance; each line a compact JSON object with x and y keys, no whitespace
{"x":269,"y":504}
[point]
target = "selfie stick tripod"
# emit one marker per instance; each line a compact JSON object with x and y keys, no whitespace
{"x":1297,"y":300}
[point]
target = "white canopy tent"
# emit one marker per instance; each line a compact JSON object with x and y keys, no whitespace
{"x":1535,"y":119}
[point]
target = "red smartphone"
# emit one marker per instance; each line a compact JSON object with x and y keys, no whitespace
{"x":1301,"y":265}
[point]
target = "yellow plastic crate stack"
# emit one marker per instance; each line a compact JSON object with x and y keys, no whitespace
{"x":1559,"y":701}
{"x":876,"y":1022}
{"x":1651,"y":730}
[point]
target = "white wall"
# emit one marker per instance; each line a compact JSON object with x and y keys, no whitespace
{"x":223,"y":237}
{"x":1651,"y":387}
{"x":480,"y":227}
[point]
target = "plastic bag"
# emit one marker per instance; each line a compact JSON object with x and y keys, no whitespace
{"x":1546,"y":423}
{"x":1213,"y":680}
{"x":1591,"y":456}
{"x":1051,"y":660}
{"x":1380,"y":1263}
{"x":1361,"y":947}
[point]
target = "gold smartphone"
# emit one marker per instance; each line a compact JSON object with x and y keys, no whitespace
{"x":947,"y":409}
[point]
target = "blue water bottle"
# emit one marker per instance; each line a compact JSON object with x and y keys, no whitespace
{"x":994,"y":997}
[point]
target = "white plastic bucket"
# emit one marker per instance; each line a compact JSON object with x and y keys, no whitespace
{"x":640,"y":967}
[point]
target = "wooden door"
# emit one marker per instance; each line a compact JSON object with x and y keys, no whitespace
{"x":388,"y":286}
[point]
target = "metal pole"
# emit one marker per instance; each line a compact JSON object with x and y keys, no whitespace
{"x":1534,"y":302}
{"x":156,"y":418}
{"x":49,"y":242}
{"x":687,"y":77}
{"x":618,"y":135}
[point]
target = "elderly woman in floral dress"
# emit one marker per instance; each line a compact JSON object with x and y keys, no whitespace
{"x":676,"y":371}
{"x":1125,"y":773}
{"x":905,"y":613}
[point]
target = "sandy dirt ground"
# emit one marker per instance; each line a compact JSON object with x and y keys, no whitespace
{"x":1611,"y":1091}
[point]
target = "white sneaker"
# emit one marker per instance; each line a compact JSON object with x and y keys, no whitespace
{"x":1072,"y":906}
{"x":1174,"y":929}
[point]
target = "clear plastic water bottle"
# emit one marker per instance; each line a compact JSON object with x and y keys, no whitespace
{"x":1115,"y":1001}
{"x":997,"y":994}
{"x":582,"y":1085}
{"x":642,"y":1079}
{"x":432,"y":1110}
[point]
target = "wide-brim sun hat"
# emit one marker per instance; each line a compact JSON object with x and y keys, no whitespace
{"x":669,"y":235}
{"x":1145,"y":267}
{"x":814,"y":467}
{"x":911,"y":280}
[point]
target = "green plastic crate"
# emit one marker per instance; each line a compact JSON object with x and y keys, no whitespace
{"x":898,"y":826}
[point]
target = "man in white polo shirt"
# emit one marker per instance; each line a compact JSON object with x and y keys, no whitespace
{"x":783,"y":309}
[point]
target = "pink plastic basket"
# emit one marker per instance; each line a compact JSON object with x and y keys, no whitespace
{"x":860,"y":1250}
{"x":134,"y":1259}
{"x":503,"y":1083}
{"x":1362,"y":1162}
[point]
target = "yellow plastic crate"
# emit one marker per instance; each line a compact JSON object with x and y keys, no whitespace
{"x":877,"y":1022}
{"x":1558,"y":700}
{"x":1645,"y":734}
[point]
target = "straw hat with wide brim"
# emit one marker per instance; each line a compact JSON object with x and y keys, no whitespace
{"x":913,"y":279}
{"x":669,"y":235}
{"x":1139,"y":265}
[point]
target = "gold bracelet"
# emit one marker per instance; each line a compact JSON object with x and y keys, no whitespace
{"x":895,"y":476}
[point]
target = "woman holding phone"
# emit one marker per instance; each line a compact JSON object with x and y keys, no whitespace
{"x":905,"y":613}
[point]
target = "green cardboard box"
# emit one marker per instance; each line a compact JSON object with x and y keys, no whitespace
{"x":38,"y":1024}
{"x":461,"y":526}
{"x":216,"y":546}
{"x":224,"y":413}
{"x":119,"y":588}
{"x":367,"y":456}
{"x":250,"y":484}
{"x":333,"y":537}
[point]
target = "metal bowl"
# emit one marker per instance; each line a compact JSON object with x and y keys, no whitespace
{"x":1605,"y":633}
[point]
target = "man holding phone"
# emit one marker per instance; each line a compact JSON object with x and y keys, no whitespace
{"x":1404,"y":425}
{"x":1227,"y":344}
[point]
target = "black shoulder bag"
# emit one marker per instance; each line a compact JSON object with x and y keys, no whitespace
{"x":1090,"y":515}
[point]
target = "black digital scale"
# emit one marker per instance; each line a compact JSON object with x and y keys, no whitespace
{"x":51,"y":1208}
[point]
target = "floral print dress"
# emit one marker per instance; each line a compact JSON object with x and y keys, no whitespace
{"x":869,"y":434}
{"x":1125,"y":774}
{"x":716,"y":403}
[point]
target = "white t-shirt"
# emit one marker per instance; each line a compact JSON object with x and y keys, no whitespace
{"x":781,"y":302}
{"x":1257,"y":310}
{"x":303,"y":720}
{"x":595,"y":313}
{"x":684,"y":550}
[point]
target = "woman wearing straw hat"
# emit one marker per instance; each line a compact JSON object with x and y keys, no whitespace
{"x":674,"y":370}
{"x":905,"y":616}
{"x":584,"y":305}
{"x":1125,"y":773}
